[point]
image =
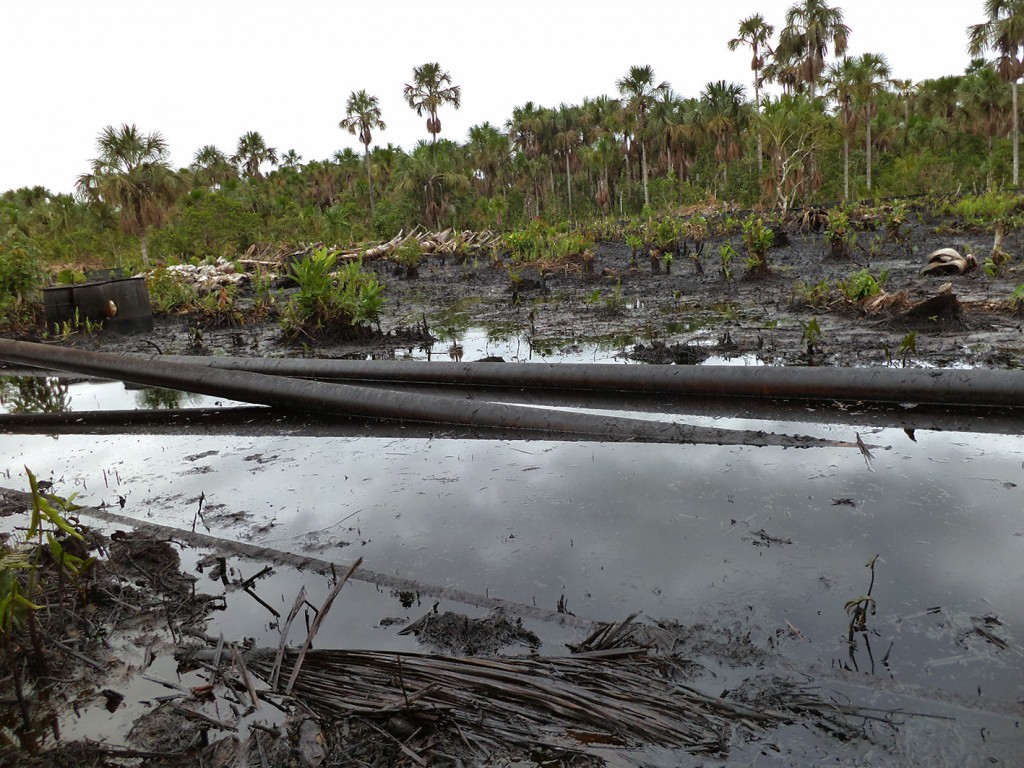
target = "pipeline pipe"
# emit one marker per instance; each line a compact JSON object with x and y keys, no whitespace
{"x":351,"y":400}
{"x":955,"y":387}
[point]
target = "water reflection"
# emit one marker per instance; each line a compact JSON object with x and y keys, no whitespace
{"x":156,"y":398}
{"x":777,"y":539}
{"x":34,"y":394}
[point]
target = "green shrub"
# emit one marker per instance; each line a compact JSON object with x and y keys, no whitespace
{"x":862,"y":284}
{"x":758,"y":239}
{"x":331,"y":302}
{"x":169,"y":291}
{"x":20,"y":279}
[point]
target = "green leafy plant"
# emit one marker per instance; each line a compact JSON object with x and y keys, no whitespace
{"x":757,"y":238}
{"x":20,"y":563}
{"x":635,"y":244}
{"x":838,"y":233}
{"x":894,"y":220}
{"x":1017,"y":298}
{"x":20,"y":278}
{"x":726,"y":253}
{"x":817,"y":296}
{"x":331,"y":301}
{"x":907,"y":347}
{"x":862,"y":284}
{"x":169,"y":291}
{"x":615,"y":302}
{"x":409,"y":254}
{"x":811,"y":336}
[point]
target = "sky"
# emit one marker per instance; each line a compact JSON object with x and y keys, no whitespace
{"x":207,"y":71}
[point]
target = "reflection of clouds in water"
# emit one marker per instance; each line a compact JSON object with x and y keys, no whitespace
{"x":670,"y":530}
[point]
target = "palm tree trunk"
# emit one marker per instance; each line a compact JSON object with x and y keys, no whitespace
{"x":846,"y":168}
{"x":1016,"y":138}
{"x":369,"y":178}
{"x":568,"y":183}
{"x":144,"y":244}
{"x":757,"y":124}
{"x":867,"y":143}
{"x":643,"y":171}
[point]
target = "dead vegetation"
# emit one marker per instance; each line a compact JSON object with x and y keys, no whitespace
{"x":627,"y":685}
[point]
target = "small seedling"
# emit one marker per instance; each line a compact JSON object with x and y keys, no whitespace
{"x":907,"y":348}
{"x":811,"y":336}
{"x":726,"y":253}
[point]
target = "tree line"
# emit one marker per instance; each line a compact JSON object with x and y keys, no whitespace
{"x":831,"y":127}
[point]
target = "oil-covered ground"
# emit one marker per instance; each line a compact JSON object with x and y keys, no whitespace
{"x":544,"y":602}
{"x":529,"y":312}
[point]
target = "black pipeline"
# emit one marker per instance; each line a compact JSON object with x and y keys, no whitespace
{"x":955,"y":387}
{"x":352,"y":400}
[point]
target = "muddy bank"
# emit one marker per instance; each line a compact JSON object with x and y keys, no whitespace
{"x":680,"y":317}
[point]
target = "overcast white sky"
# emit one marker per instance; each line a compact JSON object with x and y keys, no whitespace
{"x":206,"y":71}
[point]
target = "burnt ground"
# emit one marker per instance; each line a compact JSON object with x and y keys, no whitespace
{"x":624,"y":303}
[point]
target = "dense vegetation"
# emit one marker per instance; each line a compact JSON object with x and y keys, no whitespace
{"x":833,"y":127}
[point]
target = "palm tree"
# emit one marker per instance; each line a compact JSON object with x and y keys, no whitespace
{"x":724,"y":120}
{"x":291,"y":159}
{"x":871,"y":76}
{"x":432,"y":89}
{"x":756,"y":33}
{"x":362,"y":116}
{"x":251,"y":153}
{"x":811,"y":27}
{"x":1003,"y":32}
{"x":431,"y":171}
{"x":604,"y":155}
{"x":132,"y":175}
{"x":526,"y":130}
{"x":488,"y":150}
{"x":983,"y":105}
{"x":839,"y":81}
{"x":210,"y":167}
{"x":568,"y":138}
{"x":639,"y":90}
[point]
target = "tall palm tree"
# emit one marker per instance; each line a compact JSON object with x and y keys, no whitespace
{"x":639,"y":90}
{"x":431,"y":89}
{"x":362,"y":117}
{"x":132,"y":175}
{"x":756,"y":33}
{"x":724,"y":119}
{"x":252,"y":152}
{"x":568,"y":138}
{"x":840,"y":81}
{"x":526,"y":130}
{"x":488,"y":150}
{"x":603,"y":156}
{"x":872,"y":76}
{"x":1003,"y":32}
{"x":983,"y":105}
{"x":812,"y":26}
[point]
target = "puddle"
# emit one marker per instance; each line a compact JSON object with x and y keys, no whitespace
{"x":776,"y":540}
